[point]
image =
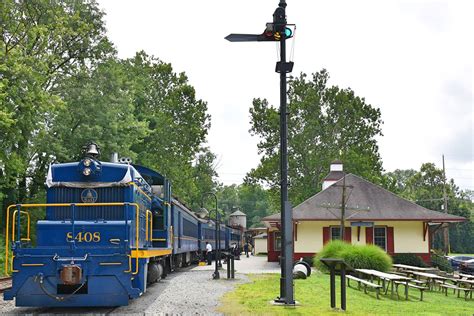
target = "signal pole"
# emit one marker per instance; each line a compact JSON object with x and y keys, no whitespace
{"x":286,"y":279}
{"x":278,"y":31}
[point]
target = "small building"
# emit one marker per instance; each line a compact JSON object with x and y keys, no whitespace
{"x":238,"y":219}
{"x":260,"y":244}
{"x":373,"y":215}
{"x":256,"y":231}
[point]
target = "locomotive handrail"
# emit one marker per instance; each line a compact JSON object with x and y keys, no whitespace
{"x":28,"y":226}
{"x":18,"y":206}
{"x":149,"y":237}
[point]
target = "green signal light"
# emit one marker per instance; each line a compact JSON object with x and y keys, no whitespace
{"x":288,"y":32}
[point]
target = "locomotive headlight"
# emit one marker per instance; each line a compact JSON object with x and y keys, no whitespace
{"x":86,"y":171}
{"x":87,"y":162}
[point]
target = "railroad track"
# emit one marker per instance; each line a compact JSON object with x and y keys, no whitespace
{"x":5,"y":284}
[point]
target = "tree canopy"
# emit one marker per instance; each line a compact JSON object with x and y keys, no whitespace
{"x":62,"y":85}
{"x":42,"y":43}
{"x":425,"y":187}
{"x":253,"y":200}
{"x":325,"y":122}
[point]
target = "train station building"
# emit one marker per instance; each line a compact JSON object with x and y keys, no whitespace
{"x":373,"y":215}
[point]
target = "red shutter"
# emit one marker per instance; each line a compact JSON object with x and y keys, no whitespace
{"x":270,"y":239}
{"x":295,"y":232}
{"x":326,"y":235}
{"x":348,"y":235}
{"x":390,"y":243}
{"x":369,"y":235}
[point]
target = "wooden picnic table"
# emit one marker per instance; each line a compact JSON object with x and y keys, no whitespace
{"x":464,"y":281}
{"x":412,"y":268}
{"x":431,"y":277}
{"x":466,"y":276}
{"x":386,"y":277}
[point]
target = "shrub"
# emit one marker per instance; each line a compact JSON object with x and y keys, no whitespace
{"x":409,"y":259}
{"x":441,"y":263}
{"x":331,"y":250}
{"x":367,"y":257}
{"x":358,"y":257}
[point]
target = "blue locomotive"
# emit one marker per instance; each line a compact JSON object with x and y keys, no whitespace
{"x":110,"y":229}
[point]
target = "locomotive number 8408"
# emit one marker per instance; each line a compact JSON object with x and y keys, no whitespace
{"x":110,"y":229}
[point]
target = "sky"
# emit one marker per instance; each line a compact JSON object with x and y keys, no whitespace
{"x":412,"y":59}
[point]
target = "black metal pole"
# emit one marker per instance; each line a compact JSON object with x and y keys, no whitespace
{"x":286,"y":283}
{"x":333,"y":287}
{"x":343,"y":288}
{"x":278,"y":29}
{"x":216,"y":271}
{"x":218,"y":258}
{"x":232,"y":268}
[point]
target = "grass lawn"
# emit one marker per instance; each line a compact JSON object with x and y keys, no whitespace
{"x":313,"y":295}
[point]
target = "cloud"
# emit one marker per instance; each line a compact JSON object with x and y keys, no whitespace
{"x":458,"y":120}
{"x":433,"y":15}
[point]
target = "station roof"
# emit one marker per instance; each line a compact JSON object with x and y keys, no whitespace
{"x":365,"y":202}
{"x":238,"y":213}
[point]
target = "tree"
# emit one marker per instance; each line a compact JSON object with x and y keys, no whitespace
{"x":396,"y":181}
{"x":61,"y":86}
{"x":251,"y":199}
{"x":204,"y":177}
{"x":41,"y":43}
{"x":325,"y":123}
{"x":178,"y":123}
{"x":425,"y":187}
{"x":97,"y":107}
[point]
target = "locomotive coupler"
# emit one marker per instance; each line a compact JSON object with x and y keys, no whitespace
{"x":71,"y":274}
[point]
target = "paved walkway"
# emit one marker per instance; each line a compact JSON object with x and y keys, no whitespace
{"x":253,"y":265}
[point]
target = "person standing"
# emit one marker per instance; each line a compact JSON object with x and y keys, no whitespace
{"x":246,"y":249}
{"x":209,"y":253}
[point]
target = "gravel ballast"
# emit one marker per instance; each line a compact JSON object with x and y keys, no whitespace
{"x":194,"y":293}
{"x":188,"y":292}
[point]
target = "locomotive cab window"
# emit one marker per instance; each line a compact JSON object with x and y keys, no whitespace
{"x":158,"y":219}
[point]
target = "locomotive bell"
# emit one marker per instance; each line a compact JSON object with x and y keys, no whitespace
{"x":71,"y":274}
{"x":92,"y":150}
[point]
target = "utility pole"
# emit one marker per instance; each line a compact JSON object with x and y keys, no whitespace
{"x":343,"y":208}
{"x":278,"y":31}
{"x":445,"y":208}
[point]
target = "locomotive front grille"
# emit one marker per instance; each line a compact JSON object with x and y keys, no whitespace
{"x":73,"y":195}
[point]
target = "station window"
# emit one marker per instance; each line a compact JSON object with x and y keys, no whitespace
{"x":277,"y":241}
{"x":380,"y":237}
{"x":335,"y":233}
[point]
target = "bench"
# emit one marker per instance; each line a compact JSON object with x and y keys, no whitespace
{"x":420,"y":282}
{"x":467,"y":291}
{"x":421,"y":288}
{"x":399,"y":273}
{"x":366,"y":283}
